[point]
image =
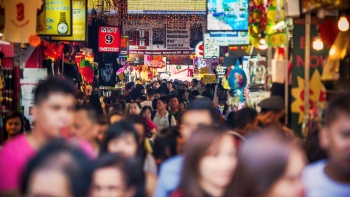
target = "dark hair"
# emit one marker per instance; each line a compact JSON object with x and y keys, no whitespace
{"x":157,"y":91}
{"x":150,"y":92}
{"x":129,"y":85}
{"x":131,"y":169}
{"x":208,"y":95}
{"x":270,"y":150}
{"x":119,"y":129}
{"x":134,"y":102}
{"x":135,"y":94}
{"x":50,"y":86}
{"x":117,"y":107}
{"x":112,"y":99}
{"x":68,"y":159}
{"x":180,"y":93}
{"x":164,"y":99}
{"x":91,"y":112}
{"x":11,"y":115}
{"x":312,"y":147}
{"x":199,"y":144}
{"x":115,"y":113}
{"x":204,"y":104}
{"x":184,"y":85}
{"x":94,"y":102}
{"x":137,"y":119}
{"x":338,"y":105}
{"x":139,"y":87}
{"x":231,"y":120}
{"x":165,"y":145}
{"x":80,"y":95}
{"x":154,"y":103}
{"x":194,"y":94}
{"x":123,"y":103}
{"x":171,"y":97}
{"x":115,"y":93}
{"x":143,"y":110}
{"x":244,"y":117}
{"x":195,"y":81}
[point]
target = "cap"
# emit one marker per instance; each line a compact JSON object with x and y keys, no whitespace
{"x":272,"y":103}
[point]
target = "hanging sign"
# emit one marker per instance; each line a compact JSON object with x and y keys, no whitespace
{"x":55,"y":18}
{"x":199,"y":49}
{"x":79,"y":22}
{"x":108,"y":39}
{"x":209,"y":78}
{"x":204,"y":70}
{"x":277,"y":39}
{"x":124,"y":46}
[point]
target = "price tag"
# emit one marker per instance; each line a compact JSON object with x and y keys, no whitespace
{"x":277,"y":39}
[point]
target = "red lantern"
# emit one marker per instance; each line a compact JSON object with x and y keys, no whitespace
{"x":87,"y":73}
{"x":328,"y":31}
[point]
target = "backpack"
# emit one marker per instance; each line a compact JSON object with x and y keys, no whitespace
{"x":169,"y":117}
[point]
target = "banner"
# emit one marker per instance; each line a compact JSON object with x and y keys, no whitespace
{"x":124,"y":46}
{"x":317,"y":92}
{"x":163,"y":37}
{"x":166,"y":7}
{"x":79,"y":22}
{"x":108,"y":39}
{"x":55,"y":19}
{"x":31,"y":78}
{"x":210,"y":49}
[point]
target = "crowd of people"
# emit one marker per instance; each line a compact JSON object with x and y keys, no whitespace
{"x":168,"y":138}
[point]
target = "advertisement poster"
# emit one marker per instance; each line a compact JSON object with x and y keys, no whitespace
{"x":210,"y":49}
{"x":79,"y":22}
{"x":108,"y":39}
{"x":227,"y":15}
{"x":317,"y":90}
{"x":31,"y":78}
{"x":124,"y":46}
{"x":164,"y":37}
{"x":166,"y":7}
{"x":55,"y":19}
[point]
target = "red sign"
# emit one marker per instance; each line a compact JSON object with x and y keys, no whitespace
{"x":108,"y":39}
{"x":124,"y":46}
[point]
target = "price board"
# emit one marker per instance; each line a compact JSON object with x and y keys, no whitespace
{"x":108,"y":39}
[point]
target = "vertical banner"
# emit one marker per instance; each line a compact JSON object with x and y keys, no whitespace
{"x":79,"y":22}
{"x":317,"y":92}
{"x":31,"y":78}
{"x":124,"y":46}
{"x":55,"y":19}
{"x":108,"y":39}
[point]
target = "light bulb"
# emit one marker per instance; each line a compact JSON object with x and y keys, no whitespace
{"x":332,"y":51}
{"x":317,"y":44}
{"x":343,"y":24}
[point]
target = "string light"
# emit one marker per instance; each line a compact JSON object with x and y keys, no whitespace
{"x":317,"y":44}
{"x":343,"y":23}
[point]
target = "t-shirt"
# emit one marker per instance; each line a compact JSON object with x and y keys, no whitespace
{"x":13,"y":158}
{"x":150,"y":125}
{"x":20,"y":19}
{"x":163,"y":122}
{"x":318,"y":184}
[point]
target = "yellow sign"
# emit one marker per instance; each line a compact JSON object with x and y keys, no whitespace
{"x":55,"y":18}
{"x":79,"y":23}
{"x":209,"y":79}
{"x":204,"y":70}
{"x":277,"y":39}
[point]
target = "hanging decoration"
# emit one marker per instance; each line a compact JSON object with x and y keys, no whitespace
{"x":52,"y":50}
{"x":34,"y":40}
{"x":87,"y":71}
{"x":237,"y":81}
{"x":257,"y":20}
{"x":328,"y":31}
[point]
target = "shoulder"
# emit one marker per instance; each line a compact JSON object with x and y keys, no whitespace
{"x":314,"y":170}
{"x":14,"y":146}
{"x":172,"y":164}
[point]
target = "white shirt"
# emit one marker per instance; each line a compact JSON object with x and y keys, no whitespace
{"x":20,"y":19}
{"x":318,"y":184}
{"x":163,"y":122}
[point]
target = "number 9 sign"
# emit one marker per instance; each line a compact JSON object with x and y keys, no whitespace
{"x":109,"y":39}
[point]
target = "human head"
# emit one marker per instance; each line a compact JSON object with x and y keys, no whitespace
{"x":162,"y":103}
{"x":169,"y":85}
{"x":150,"y":94}
{"x":165,"y":144}
{"x":85,"y":123}
{"x":61,"y":166}
{"x":80,"y":98}
{"x":335,"y":135}
{"x":103,"y":126}
{"x":116,"y":176}
{"x":194,"y":94}
{"x":53,"y":106}
{"x":210,"y":160}
{"x":95,"y":102}
{"x":135,"y":94}
{"x":183,"y":94}
{"x":123,"y":103}
{"x":272,"y":110}
{"x":135,"y":108}
{"x":115,"y":107}
{"x":231,"y":120}
{"x":173,"y":102}
{"x":13,"y":124}
{"x":140,"y":126}
{"x":198,"y":113}
{"x":122,"y":138}
{"x":154,"y":104}
{"x":268,"y":165}
{"x":157,"y":94}
{"x":184,"y":87}
{"x":194,"y":83}
{"x":129,"y":86}
{"x":115,"y":116}
{"x":246,"y":120}
{"x":146,"y":112}
{"x":182,"y":104}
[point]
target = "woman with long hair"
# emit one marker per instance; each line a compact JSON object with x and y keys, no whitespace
{"x":210,"y":160}
{"x":13,"y":125}
{"x":122,"y":138}
{"x":268,"y":166}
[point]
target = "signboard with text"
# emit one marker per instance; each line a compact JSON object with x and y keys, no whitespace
{"x":124,"y":46}
{"x":79,"y":22}
{"x":55,"y":18}
{"x":108,"y":39}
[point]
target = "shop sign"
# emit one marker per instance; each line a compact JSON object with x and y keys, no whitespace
{"x":199,"y":49}
{"x":162,"y":52}
{"x":177,"y":35}
{"x":209,"y":79}
{"x":210,"y":50}
{"x":222,"y":38}
{"x":108,"y":39}
{"x":204,"y":70}
{"x":277,"y":39}
{"x":79,"y":22}
{"x":124,"y":46}
{"x":221,"y":70}
{"x":55,"y":18}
